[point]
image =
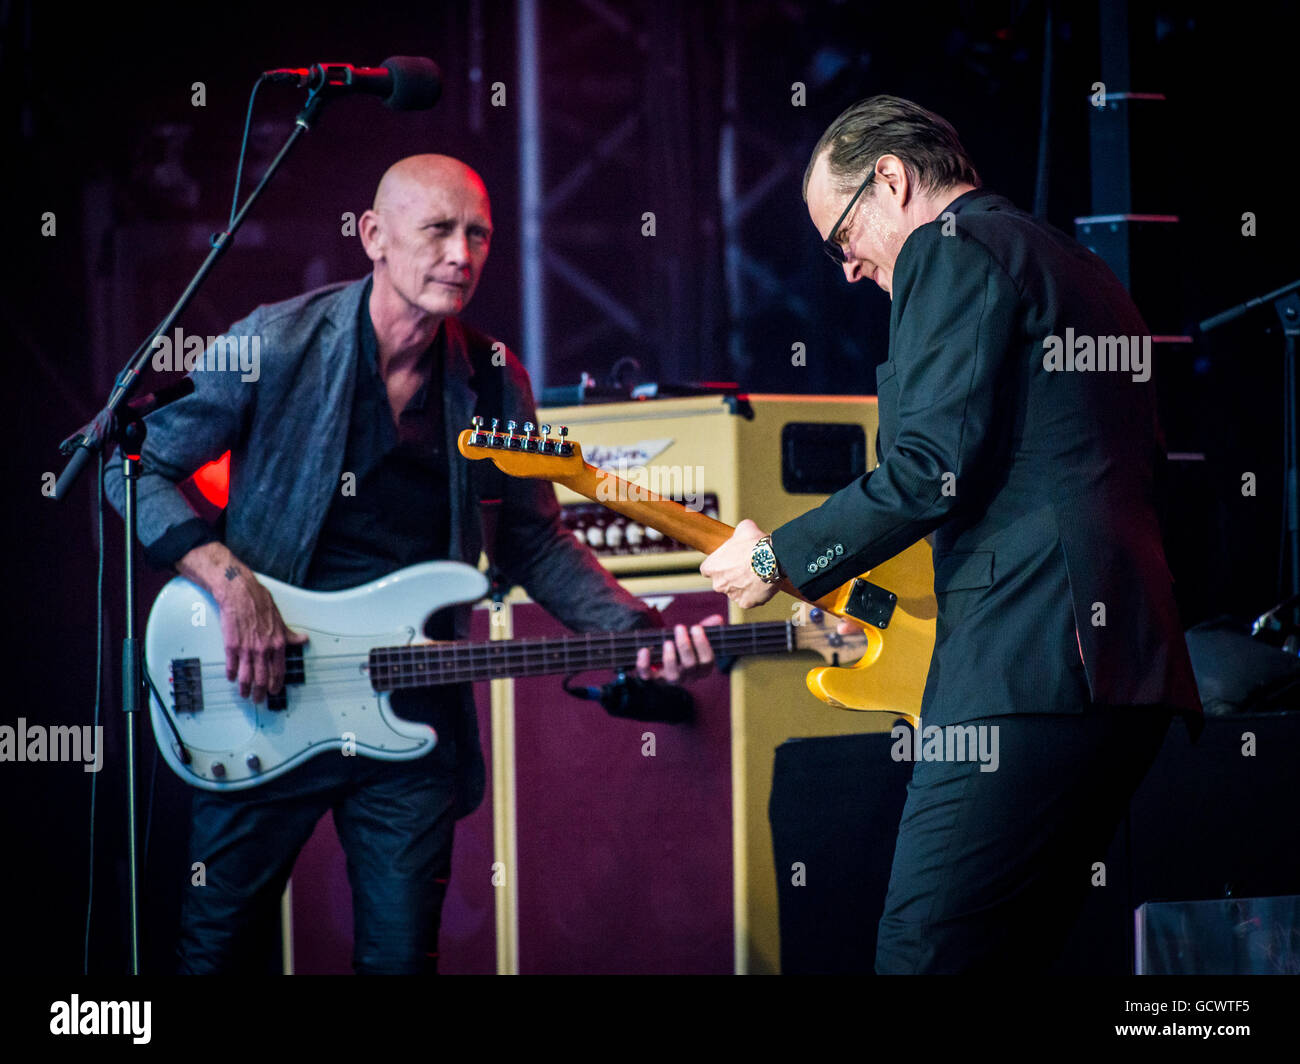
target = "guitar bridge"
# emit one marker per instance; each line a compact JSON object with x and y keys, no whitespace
{"x":870,"y":603}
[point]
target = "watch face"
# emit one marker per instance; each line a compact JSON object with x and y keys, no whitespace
{"x":763,"y":562}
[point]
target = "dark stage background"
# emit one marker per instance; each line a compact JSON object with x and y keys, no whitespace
{"x":683,"y":109}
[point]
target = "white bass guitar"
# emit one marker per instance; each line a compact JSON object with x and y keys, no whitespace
{"x":365,"y":643}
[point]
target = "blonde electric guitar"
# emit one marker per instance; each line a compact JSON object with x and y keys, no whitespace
{"x":893,"y":603}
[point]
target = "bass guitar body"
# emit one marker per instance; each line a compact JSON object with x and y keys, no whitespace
{"x":329,"y":701}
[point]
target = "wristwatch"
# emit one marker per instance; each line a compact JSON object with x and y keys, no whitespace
{"x":763,"y":561}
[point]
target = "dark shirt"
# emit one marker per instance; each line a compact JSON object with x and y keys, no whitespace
{"x":390,"y":507}
{"x":394,"y":513}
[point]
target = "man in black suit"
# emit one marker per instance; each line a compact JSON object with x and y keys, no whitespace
{"x":1018,"y":429}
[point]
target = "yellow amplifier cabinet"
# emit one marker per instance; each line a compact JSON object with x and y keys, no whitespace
{"x":728,"y":457}
{"x":734,"y":450}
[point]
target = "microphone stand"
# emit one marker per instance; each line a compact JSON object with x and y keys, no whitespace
{"x":121,"y":422}
{"x":1286,"y":303}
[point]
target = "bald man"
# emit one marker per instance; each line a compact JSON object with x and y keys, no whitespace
{"x":343,"y":470}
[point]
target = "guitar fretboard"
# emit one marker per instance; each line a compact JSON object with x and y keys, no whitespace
{"x":432,"y":664}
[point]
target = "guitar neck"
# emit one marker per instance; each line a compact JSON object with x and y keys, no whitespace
{"x":695,"y":530}
{"x":432,"y":664}
{"x":686,"y":526}
{"x":561,"y":461}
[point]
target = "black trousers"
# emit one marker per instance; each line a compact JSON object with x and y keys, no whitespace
{"x":395,"y":821}
{"x":991,"y":869}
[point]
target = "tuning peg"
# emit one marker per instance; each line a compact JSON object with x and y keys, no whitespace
{"x":565,"y":448}
{"x":476,"y":437}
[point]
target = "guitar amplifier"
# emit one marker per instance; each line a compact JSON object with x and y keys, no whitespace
{"x":766,"y":457}
{"x":769,"y":458}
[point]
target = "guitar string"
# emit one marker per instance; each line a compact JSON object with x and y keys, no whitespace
{"x":736,"y":633}
{"x":522,"y":660}
{"x":597,"y":658}
{"x":594,"y":658}
{"x":443,"y":654}
{"x":437,"y":658}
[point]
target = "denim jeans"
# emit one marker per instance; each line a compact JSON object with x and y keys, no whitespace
{"x":395,"y":821}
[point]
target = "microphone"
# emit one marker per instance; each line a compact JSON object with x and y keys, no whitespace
{"x":406,"y":82}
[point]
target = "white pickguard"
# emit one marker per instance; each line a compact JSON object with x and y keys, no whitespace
{"x":335,"y":707}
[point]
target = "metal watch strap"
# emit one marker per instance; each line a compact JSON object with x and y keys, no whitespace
{"x":766,"y":541}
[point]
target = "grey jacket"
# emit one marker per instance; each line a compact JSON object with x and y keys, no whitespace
{"x":286,"y":433}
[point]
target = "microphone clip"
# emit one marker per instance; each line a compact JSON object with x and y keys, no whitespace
{"x":632,"y":698}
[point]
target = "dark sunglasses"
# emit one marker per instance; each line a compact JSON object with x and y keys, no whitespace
{"x":830,"y":245}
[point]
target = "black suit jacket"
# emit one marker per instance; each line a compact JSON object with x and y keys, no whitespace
{"x":1039,"y":485}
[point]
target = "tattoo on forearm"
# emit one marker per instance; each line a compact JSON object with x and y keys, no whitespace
{"x":231,"y":572}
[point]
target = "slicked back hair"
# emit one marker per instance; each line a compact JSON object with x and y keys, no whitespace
{"x":889,"y":125}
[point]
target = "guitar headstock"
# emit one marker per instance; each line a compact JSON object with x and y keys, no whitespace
{"x":523,"y":454}
{"x":816,"y":630}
